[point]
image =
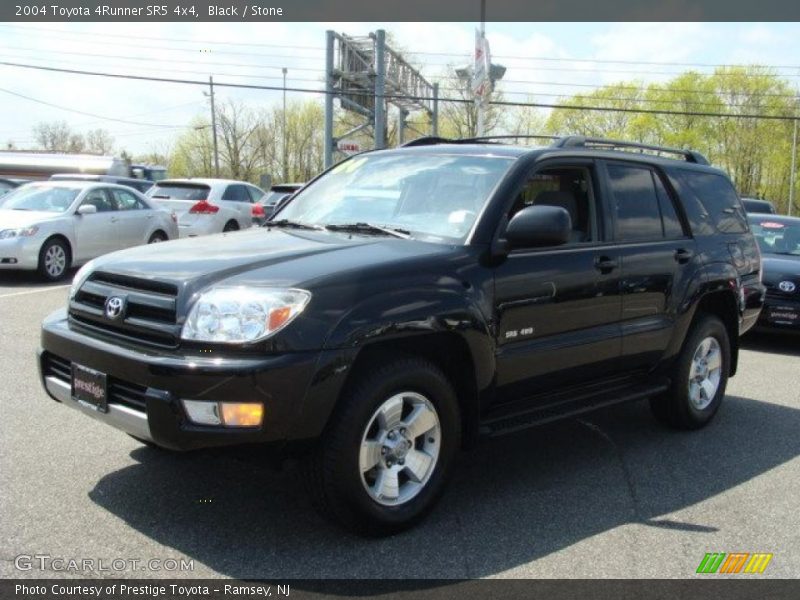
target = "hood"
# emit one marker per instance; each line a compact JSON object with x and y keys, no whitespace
{"x":269,"y":257}
{"x":13,"y":219}
{"x":778,"y":265}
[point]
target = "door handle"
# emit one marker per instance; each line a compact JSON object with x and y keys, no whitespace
{"x":604,"y":264}
{"x":683,"y":256}
{"x":114,"y":219}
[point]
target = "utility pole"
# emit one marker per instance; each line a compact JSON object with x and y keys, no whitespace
{"x":380,"y":89}
{"x":481,"y":102}
{"x":328,"y":154}
{"x":285,"y":136}
{"x":214,"y":125}
{"x":793,"y":175}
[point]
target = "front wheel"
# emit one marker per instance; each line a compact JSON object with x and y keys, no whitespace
{"x":699,"y":378}
{"x":385,"y":458}
{"x":54,"y":260}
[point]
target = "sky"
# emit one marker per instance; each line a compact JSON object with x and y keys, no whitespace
{"x":543,"y":60}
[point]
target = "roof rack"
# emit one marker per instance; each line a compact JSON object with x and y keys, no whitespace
{"x":579,"y":141}
{"x":484,"y":139}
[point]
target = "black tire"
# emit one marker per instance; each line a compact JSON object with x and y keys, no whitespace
{"x":230,"y":226}
{"x":332,"y":474}
{"x":50,"y":267}
{"x":157,"y":237}
{"x":675,"y":408}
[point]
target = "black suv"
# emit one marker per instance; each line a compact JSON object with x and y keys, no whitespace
{"x":408,"y":301}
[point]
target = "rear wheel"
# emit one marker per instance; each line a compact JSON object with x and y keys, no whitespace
{"x":230,"y":226}
{"x":699,"y":378}
{"x":386,"y":456}
{"x":157,"y":238}
{"x":54,"y":259}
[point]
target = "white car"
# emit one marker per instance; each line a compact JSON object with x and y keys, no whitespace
{"x":51,"y":226}
{"x":207,"y":206}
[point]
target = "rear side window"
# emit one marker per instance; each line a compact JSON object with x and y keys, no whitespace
{"x":636,"y":203}
{"x":672,"y":224}
{"x":720,"y":201}
{"x":179,"y":191}
{"x":127,"y":201}
{"x":236,"y":193}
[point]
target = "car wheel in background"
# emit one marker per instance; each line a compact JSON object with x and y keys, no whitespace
{"x":54,"y":259}
{"x":157,"y":237}
{"x":230,"y":226}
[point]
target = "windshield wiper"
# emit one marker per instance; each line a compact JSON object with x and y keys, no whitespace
{"x":370,"y":228}
{"x":292,"y":225}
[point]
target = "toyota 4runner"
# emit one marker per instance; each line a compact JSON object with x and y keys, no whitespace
{"x":407,"y":301}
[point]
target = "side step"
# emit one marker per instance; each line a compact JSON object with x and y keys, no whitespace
{"x":545,"y":412}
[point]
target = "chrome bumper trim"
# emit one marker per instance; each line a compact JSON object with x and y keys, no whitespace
{"x":121,"y":417}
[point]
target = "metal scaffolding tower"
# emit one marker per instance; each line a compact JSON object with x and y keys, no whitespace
{"x":367,"y":76}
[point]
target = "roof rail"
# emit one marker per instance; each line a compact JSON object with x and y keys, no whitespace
{"x":484,"y":139}
{"x":579,"y":141}
{"x":428,"y":140}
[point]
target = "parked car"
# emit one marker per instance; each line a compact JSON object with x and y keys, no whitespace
{"x":51,"y":226}
{"x":779,"y":240}
{"x":7,"y":184}
{"x":207,"y":206}
{"x":757,"y":205}
{"x":140,"y":185}
{"x":264,"y":208}
{"x":410,"y":300}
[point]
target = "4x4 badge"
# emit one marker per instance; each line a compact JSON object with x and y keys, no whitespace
{"x":115,"y":307}
{"x":787,"y":286}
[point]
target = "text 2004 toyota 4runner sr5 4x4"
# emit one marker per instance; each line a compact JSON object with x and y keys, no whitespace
{"x":408,"y":300}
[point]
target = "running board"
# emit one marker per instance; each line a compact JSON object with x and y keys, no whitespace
{"x":509,"y":423}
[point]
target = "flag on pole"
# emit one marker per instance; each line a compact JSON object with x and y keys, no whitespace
{"x":481,"y":81}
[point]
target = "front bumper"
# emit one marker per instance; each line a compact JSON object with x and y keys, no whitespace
{"x":20,"y":253}
{"x":145,"y":387}
{"x":780,"y":314}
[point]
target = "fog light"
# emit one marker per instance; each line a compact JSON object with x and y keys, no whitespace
{"x":242,"y":414}
{"x":202,"y":413}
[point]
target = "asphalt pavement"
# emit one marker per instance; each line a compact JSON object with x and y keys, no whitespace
{"x":610,"y":494}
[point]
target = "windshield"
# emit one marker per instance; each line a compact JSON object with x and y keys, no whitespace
{"x":56,"y":199}
{"x":776,"y":237}
{"x":434,"y":197}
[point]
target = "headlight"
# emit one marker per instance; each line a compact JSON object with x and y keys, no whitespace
{"x":239,"y":314}
{"x":21,"y":232}
{"x":80,"y":278}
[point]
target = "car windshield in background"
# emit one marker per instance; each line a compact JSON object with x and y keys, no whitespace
{"x":179,"y":192}
{"x":776,"y":237}
{"x":436,"y":197}
{"x":41,"y":198}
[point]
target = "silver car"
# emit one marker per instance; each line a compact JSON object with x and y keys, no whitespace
{"x":207,"y":206}
{"x":51,"y":226}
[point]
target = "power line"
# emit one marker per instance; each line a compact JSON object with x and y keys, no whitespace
{"x":411,"y":97}
{"x":151,"y":59}
{"x":87,"y":114}
{"x":159,"y":70}
{"x":468,"y":56}
{"x":463,"y":55}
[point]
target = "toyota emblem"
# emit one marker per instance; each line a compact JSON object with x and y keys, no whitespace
{"x":115,"y":307}
{"x":787,"y":286}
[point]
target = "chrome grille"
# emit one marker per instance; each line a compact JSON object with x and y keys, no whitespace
{"x":150,"y":312}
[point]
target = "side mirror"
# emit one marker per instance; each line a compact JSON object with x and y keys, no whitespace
{"x":280,"y":204}
{"x":87,"y":209}
{"x":538,"y":226}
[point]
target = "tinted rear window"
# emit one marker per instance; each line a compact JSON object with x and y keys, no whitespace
{"x":638,"y":214}
{"x":180,"y":191}
{"x":720,"y":201}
